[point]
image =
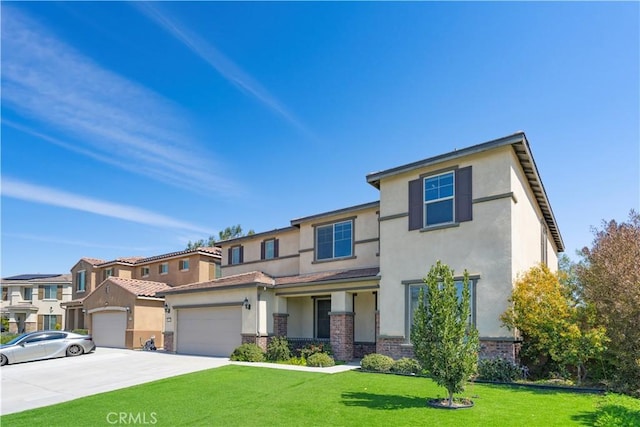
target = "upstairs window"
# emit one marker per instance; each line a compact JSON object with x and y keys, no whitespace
{"x":236,"y":255}
{"x":144,"y":271}
{"x":81,"y":281}
{"x":163,"y":268}
{"x":334,"y":240}
{"x":438,"y":199}
{"x":28,"y":294}
{"x":269,"y":249}
{"x":184,"y":265}
{"x":107,"y":273}
{"x":49,"y":291}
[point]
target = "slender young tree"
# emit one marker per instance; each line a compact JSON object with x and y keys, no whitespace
{"x":443,"y":337}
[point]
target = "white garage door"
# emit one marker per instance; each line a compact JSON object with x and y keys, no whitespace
{"x":109,"y":329}
{"x":211,"y":331}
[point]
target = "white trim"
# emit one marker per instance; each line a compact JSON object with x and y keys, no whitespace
{"x":108,"y":308}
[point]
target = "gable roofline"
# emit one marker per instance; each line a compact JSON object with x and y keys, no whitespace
{"x":296,"y":222}
{"x":135,"y":287}
{"x":518,"y":141}
{"x":213,"y":251}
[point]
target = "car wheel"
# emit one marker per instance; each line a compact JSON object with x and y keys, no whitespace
{"x":3,"y":360}
{"x":74,"y":350}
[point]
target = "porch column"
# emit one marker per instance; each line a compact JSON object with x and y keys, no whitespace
{"x":280,"y":317}
{"x":341,"y":326}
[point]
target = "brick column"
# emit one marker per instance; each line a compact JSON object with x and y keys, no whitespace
{"x":280,"y":324}
{"x":167,"y":338}
{"x":342,"y":335}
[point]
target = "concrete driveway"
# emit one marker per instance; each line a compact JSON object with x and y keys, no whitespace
{"x":46,"y":382}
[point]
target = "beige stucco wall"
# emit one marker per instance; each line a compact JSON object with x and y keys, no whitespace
{"x":365,"y":236}
{"x":286,"y":264}
{"x":198,"y":271}
{"x":364,"y":317}
{"x":91,"y":277}
{"x":108,"y":296}
{"x":482,"y":246}
{"x":300,"y":321}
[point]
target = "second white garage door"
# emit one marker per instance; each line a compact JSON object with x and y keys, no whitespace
{"x":108,"y":329}
{"x":210,"y":331}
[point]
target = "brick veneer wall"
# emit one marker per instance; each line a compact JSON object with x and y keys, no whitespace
{"x":261,"y":341}
{"x":168,"y":341}
{"x":280,"y":324}
{"x":342,"y":335}
{"x":361,"y":349}
{"x":397,"y":347}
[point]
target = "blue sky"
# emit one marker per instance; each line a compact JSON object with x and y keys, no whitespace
{"x":131,"y":128}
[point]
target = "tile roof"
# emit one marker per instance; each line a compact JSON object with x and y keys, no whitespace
{"x":328,"y":276}
{"x":252,"y":277}
{"x":260,"y":278}
{"x":144,"y":288}
{"x":93,"y":261}
{"x":215,"y":251}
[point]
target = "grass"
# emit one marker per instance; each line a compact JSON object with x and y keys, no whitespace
{"x":248,"y":396}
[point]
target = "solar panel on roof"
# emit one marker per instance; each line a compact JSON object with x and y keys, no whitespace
{"x":30,"y":276}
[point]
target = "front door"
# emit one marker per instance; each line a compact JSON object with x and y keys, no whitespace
{"x":323,"y":324}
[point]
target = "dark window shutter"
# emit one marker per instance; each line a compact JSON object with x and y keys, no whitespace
{"x":241,"y":254}
{"x":276,"y":252}
{"x":416,"y":204}
{"x":464,"y":209}
{"x":59,"y":320}
{"x":230,"y":259}
{"x":59,"y":293}
{"x":40,"y":322}
{"x":262,"y":250}
{"x":40,"y":292}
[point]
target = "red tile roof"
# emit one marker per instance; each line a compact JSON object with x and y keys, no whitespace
{"x":93,"y":261}
{"x":144,"y":288}
{"x":137,"y":260}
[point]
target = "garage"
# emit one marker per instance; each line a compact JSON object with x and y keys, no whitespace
{"x":209,"y":331}
{"x":108,"y":329}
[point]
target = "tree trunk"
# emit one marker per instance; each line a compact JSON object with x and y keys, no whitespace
{"x":450,"y":398}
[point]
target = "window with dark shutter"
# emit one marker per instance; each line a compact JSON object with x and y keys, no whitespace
{"x":276,"y":251}
{"x":463,"y":196}
{"x":416,"y":203}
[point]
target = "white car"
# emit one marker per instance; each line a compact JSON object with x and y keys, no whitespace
{"x":45,"y":345}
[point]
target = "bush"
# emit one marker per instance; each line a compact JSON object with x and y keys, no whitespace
{"x":248,"y":353}
{"x":406,"y":366}
{"x":376,"y":362}
{"x":6,"y":337}
{"x":298,"y":361}
{"x":499,"y":369}
{"x":81,"y":331}
{"x":278,"y":350}
{"x":321,"y":360}
{"x":313,"y":348}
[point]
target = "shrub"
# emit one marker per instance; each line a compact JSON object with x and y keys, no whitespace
{"x":321,"y":360}
{"x":313,"y":348}
{"x":376,"y":362}
{"x":6,"y":337}
{"x":298,"y":361}
{"x":81,"y":331}
{"x":248,"y":353}
{"x":499,"y":369}
{"x":406,"y":366}
{"x":278,"y":350}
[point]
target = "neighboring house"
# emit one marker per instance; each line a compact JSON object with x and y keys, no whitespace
{"x":31,"y":302}
{"x":351,"y":276}
{"x":134,"y":280}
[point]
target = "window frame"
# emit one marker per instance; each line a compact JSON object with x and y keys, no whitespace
{"x":163,"y":268}
{"x":236,"y":255}
{"x":318,"y":228}
{"x":183,"y":264}
{"x":270,"y":249}
{"x":316,"y":318}
{"x":24,"y":293}
{"x":145,"y":271}
{"x":49,"y":287}
{"x":108,"y":272}
{"x":439,"y":199}
{"x":410,"y":306}
{"x":44,"y":326}
{"x":81,"y":274}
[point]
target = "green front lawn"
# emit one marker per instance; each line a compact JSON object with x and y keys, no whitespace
{"x":241,"y":395}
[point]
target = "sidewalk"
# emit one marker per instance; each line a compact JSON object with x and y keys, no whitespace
{"x":354,"y":364}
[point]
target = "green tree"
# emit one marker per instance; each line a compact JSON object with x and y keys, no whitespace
{"x":610,"y":277}
{"x":228,"y":233}
{"x":552,"y":321}
{"x":444,"y":340}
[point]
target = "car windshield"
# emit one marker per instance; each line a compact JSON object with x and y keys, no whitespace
{"x":16,"y":339}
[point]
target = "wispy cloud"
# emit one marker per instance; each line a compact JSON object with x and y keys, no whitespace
{"x":34,"y":193}
{"x":101,"y":112}
{"x":81,"y":243}
{"x":223,"y":65}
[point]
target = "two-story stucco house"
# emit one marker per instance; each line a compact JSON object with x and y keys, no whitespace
{"x":116,"y":300}
{"x":33,"y":301}
{"x":351,"y":276}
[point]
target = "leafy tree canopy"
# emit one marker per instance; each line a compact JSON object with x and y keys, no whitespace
{"x":228,"y":233}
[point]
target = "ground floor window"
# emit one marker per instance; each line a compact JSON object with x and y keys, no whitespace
{"x":414,"y":292}
{"x":323,"y":324}
{"x":49,"y":322}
